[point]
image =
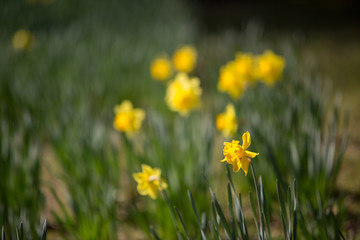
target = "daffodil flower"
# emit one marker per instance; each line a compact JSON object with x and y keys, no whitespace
{"x":237,"y":155}
{"x":149,"y":181}
{"x":160,"y":68}
{"x":183,"y":94}
{"x":184,"y":59}
{"x":128,"y":119}
{"x":226,"y":121}
{"x":231,"y":82}
{"x":269,"y":67}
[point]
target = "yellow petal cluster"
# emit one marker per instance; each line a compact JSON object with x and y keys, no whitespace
{"x":184,"y":59}
{"x":226,"y":121}
{"x":244,"y":66}
{"x":149,"y":181}
{"x":22,"y":39}
{"x":246,"y":69}
{"x":183,"y":94}
{"x":161,"y":68}
{"x":269,"y":67}
{"x":231,"y":82}
{"x":237,"y":155}
{"x":128,"y":119}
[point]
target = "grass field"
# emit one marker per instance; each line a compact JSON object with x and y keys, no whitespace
{"x":65,"y":158}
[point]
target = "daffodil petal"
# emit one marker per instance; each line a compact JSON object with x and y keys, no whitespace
{"x":245,"y":164}
{"x":143,"y":189}
{"x":250,"y":154}
{"x":246,"y":140}
{"x":138,"y":177}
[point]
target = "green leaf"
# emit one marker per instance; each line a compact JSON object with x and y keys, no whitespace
{"x":254,"y":214}
{"x":216,"y":224}
{"x":43,"y":235}
{"x":341,"y":235}
{"x":153,"y":232}
{"x":265,"y":214}
{"x":3,"y":233}
{"x":232,"y":215}
{"x":22,"y":237}
{"x":201,"y":223}
{"x":182,"y":222}
{"x":294,"y":211}
{"x":228,"y":172}
{"x":194,"y":207}
{"x":221,"y":214}
{"x":290,"y":210}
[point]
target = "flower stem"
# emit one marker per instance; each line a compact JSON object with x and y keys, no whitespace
{"x":258,"y":198}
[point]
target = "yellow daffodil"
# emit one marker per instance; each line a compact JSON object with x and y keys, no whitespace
{"x":231,"y":82}
{"x":244,"y":66}
{"x":128,"y":119}
{"x":184,"y":59}
{"x":22,"y":39}
{"x":226,"y":122}
{"x":183,"y":94}
{"x":237,"y":155}
{"x":149,"y":181}
{"x":269,"y":67}
{"x":161,"y":68}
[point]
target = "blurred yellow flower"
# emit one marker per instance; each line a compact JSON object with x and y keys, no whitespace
{"x":161,"y":68}
{"x":244,"y":66}
{"x":269,"y":67}
{"x":237,"y":155}
{"x":128,"y":119}
{"x":231,"y":82}
{"x":183,"y":94}
{"x":226,"y":122}
{"x":22,"y":39}
{"x":184,"y":59}
{"x":149,"y":181}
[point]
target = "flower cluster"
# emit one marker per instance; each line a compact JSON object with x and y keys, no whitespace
{"x":149,"y":181}
{"x":270,"y":67}
{"x":237,"y":155}
{"x":128,"y":119}
{"x":226,"y":121}
{"x":184,"y":60}
{"x":246,"y":69}
{"x":183,"y":94}
{"x":23,"y":40}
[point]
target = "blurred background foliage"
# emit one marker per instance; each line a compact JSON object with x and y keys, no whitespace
{"x":62,"y":160}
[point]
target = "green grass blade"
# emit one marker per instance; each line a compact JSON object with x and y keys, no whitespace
{"x":294,"y":212}
{"x":289,"y":217}
{"x":22,"y":237}
{"x":3,"y":233}
{"x":216,"y":224}
{"x":17,"y":234}
{"x":221,"y":214}
{"x":243,"y":223}
{"x":202,"y":222}
{"x":255,"y":214}
{"x":232,"y":215}
{"x":182,"y":222}
{"x":43,"y":235}
{"x":194,"y":207}
{"x":265,"y":213}
{"x":228,"y":173}
{"x":153,"y":232}
{"x":341,"y":235}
